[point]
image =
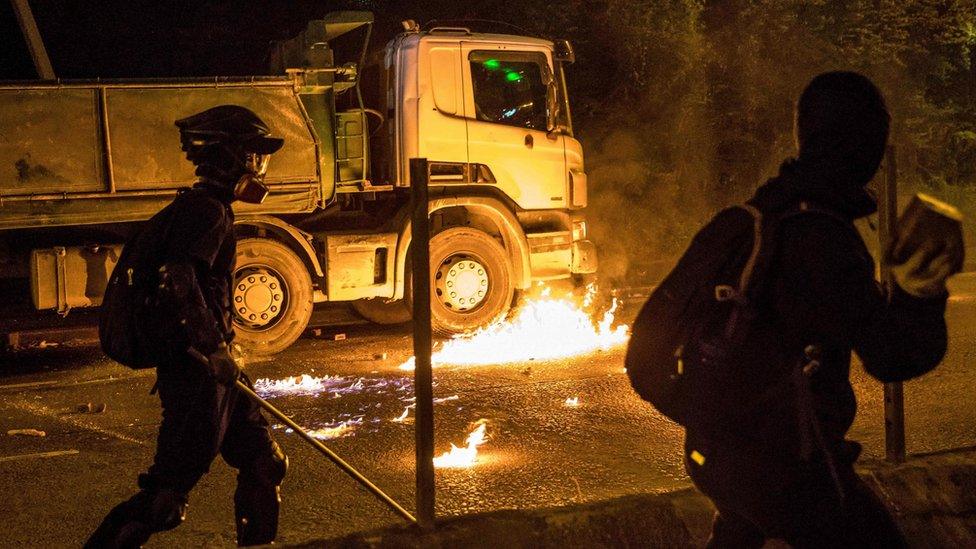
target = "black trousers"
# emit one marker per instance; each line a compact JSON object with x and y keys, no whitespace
{"x":760,"y":497}
{"x":201,"y":419}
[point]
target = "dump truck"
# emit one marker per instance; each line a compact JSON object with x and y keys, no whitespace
{"x":83,"y":163}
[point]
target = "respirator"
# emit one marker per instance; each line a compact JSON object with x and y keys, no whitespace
{"x":250,"y":187}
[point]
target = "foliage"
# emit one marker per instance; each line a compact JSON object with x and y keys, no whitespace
{"x":684,"y":106}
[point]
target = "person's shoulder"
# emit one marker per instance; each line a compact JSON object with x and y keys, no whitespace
{"x":825,"y":238}
{"x":816,"y":222}
{"x":200,"y":206}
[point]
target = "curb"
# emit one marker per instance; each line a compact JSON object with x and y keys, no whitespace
{"x":932,"y":497}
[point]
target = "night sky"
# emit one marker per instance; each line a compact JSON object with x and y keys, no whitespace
{"x":145,"y":38}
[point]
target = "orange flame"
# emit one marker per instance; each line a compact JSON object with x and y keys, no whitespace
{"x":460,"y":458}
{"x":546,"y":328}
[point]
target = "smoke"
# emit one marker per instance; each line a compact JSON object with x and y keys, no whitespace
{"x":698,"y":109}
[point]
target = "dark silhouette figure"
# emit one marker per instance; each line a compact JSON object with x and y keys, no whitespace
{"x":203,"y":413}
{"x":789,"y":473}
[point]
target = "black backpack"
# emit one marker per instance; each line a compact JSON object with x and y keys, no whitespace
{"x":688,"y":341}
{"x":130,"y":329}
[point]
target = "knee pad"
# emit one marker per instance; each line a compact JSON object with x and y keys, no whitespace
{"x":167,"y":510}
{"x":257,"y":501}
{"x":269,"y":469}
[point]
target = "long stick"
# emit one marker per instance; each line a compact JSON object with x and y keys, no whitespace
{"x":35,"y":45}
{"x":423,"y":376}
{"x":894,"y":395}
{"x":341,"y":463}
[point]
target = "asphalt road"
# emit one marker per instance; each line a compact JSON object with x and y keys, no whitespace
{"x":540,"y":452}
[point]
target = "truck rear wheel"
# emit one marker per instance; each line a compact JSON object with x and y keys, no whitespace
{"x":471,"y":281}
{"x":272,"y":296}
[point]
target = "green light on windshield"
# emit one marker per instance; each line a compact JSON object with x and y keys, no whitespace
{"x":493,"y":64}
{"x":513,"y":77}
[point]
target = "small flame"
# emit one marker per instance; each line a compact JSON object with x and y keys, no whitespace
{"x":459,"y":458}
{"x":335,"y":430}
{"x":402,"y":417}
{"x":572,"y":402}
{"x":546,"y":328}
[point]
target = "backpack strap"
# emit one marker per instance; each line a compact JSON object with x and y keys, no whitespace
{"x":725,"y":292}
{"x":757,"y":239}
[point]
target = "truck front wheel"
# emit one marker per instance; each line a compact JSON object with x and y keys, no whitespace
{"x":271,"y":297}
{"x":471,"y":281}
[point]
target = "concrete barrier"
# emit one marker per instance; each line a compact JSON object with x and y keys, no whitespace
{"x":933,"y":498}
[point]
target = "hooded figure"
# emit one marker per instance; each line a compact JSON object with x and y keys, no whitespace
{"x":789,"y":473}
{"x":203,"y":413}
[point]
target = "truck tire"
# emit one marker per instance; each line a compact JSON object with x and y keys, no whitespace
{"x":471,"y":281}
{"x":272,"y":296}
{"x":381,"y":311}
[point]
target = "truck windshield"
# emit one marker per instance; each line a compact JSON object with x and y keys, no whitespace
{"x":508,"y":88}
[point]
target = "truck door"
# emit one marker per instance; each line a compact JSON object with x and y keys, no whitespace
{"x":506,"y":110}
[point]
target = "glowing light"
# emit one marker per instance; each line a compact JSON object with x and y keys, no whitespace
{"x":460,"y":458}
{"x":492,"y":64}
{"x":546,"y":328}
{"x":572,"y":402}
{"x":402,"y":417}
{"x":339,"y":429}
{"x":336,"y":386}
{"x":513,"y":76}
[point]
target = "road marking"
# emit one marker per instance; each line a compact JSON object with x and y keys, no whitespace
{"x":40,"y":455}
{"x":58,"y":416}
{"x":65,"y":384}
{"x":27,"y":385}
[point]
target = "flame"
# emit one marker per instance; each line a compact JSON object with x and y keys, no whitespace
{"x":337,"y":386}
{"x":546,"y":328}
{"x":335,"y":430}
{"x":402,"y":417}
{"x":572,"y":402}
{"x":459,"y":458}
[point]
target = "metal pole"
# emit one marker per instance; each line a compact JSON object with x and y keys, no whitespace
{"x":894,"y":396}
{"x":33,"y":37}
{"x":423,"y":375}
{"x":341,"y":463}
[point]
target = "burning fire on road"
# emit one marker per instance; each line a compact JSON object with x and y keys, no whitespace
{"x":546,"y":328}
{"x":466,"y":456}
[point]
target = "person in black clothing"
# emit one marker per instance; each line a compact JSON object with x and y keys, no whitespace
{"x":785,"y":475}
{"x":203,"y":414}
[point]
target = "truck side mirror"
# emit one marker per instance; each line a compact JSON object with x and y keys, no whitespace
{"x":564,"y":51}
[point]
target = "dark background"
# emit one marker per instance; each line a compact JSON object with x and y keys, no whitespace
{"x":684,"y":106}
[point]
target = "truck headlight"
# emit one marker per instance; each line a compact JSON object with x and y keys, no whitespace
{"x":579,"y":230}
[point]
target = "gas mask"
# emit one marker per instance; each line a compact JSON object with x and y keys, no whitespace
{"x":250,"y":187}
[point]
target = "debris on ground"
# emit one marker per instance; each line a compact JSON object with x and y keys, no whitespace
{"x":379,"y":356}
{"x":339,"y":337}
{"x":89,"y":408}
{"x":26,"y":433}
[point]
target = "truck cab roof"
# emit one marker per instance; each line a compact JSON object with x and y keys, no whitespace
{"x":468,"y":36}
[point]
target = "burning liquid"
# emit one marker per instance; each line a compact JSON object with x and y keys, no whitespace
{"x":543,"y":329}
{"x":460,"y":458}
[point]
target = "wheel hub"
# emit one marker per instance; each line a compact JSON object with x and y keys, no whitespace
{"x":461,"y":282}
{"x":258,"y":297}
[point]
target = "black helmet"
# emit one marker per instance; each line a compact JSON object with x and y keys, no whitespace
{"x":228,"y":125}
{"x":842,"y":121}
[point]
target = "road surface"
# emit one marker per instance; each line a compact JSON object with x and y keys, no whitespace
{"x":540,"y":452}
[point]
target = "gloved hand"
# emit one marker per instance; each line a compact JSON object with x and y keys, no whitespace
{"x":923,"y":273}
{"x":223,"y":366}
